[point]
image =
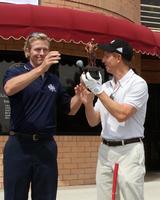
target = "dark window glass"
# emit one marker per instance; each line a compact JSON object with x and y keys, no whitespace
{"x":152,"y":128}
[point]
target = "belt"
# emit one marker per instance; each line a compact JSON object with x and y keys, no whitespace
{"x":33,"y":137}
{"x":121,"y":142}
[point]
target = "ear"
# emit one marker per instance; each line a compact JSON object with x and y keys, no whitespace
{"x":119,"y":58}
{"x":27,"y":52}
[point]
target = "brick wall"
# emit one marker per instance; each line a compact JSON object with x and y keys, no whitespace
{"x":2,"y":143}
{"x":124,"y":8}
{"x":77,"y":157}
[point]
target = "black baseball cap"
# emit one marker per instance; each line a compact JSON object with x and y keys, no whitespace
{"x":119,"y":46}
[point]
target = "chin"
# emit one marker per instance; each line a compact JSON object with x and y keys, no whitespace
{"x":39,"y":63}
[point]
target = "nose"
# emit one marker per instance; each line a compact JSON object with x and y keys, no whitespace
{"x":42,"y":51}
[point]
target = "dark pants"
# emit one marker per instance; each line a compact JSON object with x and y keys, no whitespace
{"x":29,"y":163}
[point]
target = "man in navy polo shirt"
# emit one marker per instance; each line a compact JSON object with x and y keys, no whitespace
{"x":30,"y":154}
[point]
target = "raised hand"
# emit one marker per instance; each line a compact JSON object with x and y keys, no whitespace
{"x":52,"y":57}
{"x":85,"y":96}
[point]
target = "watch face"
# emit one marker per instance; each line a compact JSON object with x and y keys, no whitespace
{"x":97,"y":90}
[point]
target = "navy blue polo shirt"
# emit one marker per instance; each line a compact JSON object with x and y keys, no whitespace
{"x":33,"y":109}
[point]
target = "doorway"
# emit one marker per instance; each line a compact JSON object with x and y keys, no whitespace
{"x":152,"y":129}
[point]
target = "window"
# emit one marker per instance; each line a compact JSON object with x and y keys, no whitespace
{"x":150,"y":14}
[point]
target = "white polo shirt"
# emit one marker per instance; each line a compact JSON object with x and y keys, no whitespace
{"x":132,"y":90}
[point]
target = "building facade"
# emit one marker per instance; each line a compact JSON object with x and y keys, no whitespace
{"x":77,"y":142}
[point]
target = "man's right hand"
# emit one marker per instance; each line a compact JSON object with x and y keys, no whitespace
{"x":52,"y":57}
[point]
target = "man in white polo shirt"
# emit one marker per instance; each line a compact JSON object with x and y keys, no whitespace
{"x":121,"y":109}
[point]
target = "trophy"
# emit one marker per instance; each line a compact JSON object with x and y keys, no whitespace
{"x":91,"y":48}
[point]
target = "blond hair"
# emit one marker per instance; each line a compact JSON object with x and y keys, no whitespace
{"x":32,"y":37}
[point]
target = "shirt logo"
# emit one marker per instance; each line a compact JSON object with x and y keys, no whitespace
{"x":52,"y":88}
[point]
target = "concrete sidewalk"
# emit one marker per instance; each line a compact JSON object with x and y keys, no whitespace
{"x":151,"y":190}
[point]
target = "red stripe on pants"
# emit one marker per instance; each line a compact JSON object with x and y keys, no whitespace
{"x":114,"y":185}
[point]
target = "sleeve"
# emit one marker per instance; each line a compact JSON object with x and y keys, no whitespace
{"x":137,"y":95}
{"x":10,"y":73}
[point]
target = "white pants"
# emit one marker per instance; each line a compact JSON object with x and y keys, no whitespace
{"x":130,"y":181}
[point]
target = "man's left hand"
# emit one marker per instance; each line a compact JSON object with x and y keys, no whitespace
{"x":95,"y":86}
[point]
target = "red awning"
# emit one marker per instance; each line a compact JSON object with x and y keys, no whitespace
{"x":69,"y":25}
{"x":157,"y":38}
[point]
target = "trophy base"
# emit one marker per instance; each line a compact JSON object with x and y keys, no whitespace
{"x":94,"y":71}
